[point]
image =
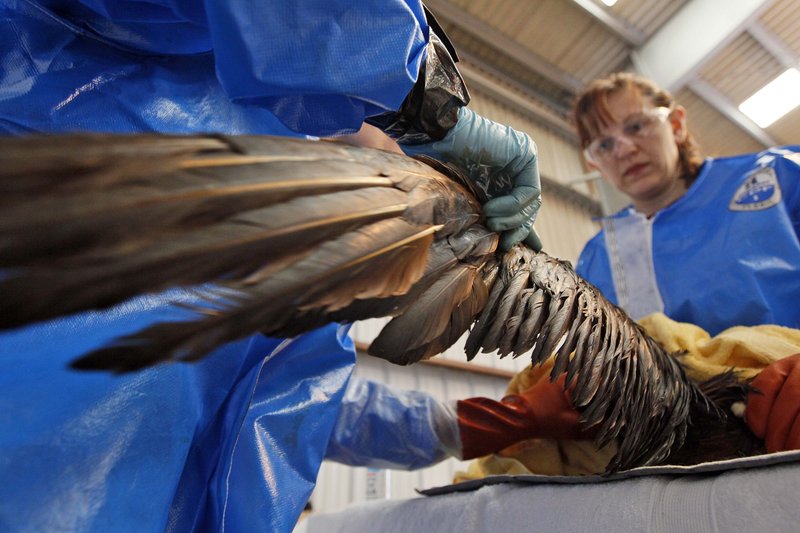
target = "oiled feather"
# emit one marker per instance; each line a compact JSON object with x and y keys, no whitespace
{"x":438,"y":315}
{"x":320,"y":281}
{"x":233,"y":249}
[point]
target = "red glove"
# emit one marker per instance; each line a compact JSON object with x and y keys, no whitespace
{"x":543,"y":411}
{"x":773,"y":411}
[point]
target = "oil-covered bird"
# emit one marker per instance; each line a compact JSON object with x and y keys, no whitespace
{"x":281,"y":236}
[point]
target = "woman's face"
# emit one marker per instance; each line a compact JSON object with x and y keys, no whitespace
{"x":638,"y":150}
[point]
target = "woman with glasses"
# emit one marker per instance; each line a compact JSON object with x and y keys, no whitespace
{"x":712,"y":242}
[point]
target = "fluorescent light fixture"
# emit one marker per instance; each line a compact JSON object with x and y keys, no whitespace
{"x":774,"y":100}
{"x":609,"y":3}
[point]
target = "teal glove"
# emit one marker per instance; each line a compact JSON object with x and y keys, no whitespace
{"x":500,"y":161}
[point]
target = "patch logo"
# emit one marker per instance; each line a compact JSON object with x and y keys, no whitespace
{"x":760,"y":190}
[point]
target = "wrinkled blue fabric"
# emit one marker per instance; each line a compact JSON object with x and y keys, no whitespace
{"x":233,"y":442}
{"x":385,"y":428}
{"x":717,"y":267}
{"x":313,"y":67}
{"x":178,"y":447}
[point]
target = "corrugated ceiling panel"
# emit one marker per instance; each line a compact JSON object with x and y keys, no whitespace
{"x":551,"y":29}
{"x":783,"y":19}
{"x":508,"y":16}
{"x":647,"y":16}
{"x":787,"y":129}
{"x":548,"y":91}
{"x":741,"y":68}
{"x":716,"y":135}
{"x":592,"y":53}
{"x":558,"y":31}
{"x":737,"y":71}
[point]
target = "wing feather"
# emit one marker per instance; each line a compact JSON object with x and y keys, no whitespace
{"x":284,"y":235}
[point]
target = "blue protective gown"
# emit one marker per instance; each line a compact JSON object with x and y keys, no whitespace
{"x":188,"y":66}
{"x":233,"y":442}
{"x":726,"y":253}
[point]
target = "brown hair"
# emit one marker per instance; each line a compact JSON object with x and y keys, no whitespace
{"x":591,"y":113}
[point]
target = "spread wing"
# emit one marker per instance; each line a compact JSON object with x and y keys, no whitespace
{"x":280,"y":236}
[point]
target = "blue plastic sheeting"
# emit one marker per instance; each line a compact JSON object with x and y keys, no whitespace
{"x":320,"y":67}
{"x":233,"y":442}
{"x":725,"y":254}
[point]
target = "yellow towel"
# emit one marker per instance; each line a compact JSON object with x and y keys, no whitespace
{"x":746,"y":349}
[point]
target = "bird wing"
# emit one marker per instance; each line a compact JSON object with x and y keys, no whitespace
{"x":281,"y":236}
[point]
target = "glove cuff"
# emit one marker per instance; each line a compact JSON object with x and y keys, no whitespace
{"x":446,"y":428}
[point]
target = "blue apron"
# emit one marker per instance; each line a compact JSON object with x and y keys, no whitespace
{"x":725,"y":254}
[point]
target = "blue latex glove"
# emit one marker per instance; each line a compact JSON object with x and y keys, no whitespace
{"x":503,"y":163}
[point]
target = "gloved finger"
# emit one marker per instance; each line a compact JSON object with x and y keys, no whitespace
{"x":525,"y":167}
{"x":529,"y":173}
{"x":767,"y":385}
{"x":533,"y":241}
{"x":517,"y":235}
{"x":526,"y":217}
{"x":514,"y":202}
{"x":511,"y":237}
{"x":785,"y":410}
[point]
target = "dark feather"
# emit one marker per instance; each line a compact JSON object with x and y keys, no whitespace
{"x":535,"y":316}
{"x":446,"y":310}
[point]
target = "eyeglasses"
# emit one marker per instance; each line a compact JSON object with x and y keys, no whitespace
{"x":602,"y":149}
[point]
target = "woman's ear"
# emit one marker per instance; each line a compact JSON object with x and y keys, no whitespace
{"x":677,"y":119}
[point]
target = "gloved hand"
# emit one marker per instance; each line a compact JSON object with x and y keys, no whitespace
{"x":773,"y":410}
{"x":503,"y":163}
{"x":543,"y":411}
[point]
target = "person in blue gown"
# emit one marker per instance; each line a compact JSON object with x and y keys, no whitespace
{"x":710,"y":241}
{"x":233,"y":442}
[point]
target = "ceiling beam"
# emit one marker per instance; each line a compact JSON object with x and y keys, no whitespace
{"x":695,"y":33}
{"x":772,"y":44}
{"x":493,"y":38}
{"x":632,"y":36}
{"x":722,"y":104}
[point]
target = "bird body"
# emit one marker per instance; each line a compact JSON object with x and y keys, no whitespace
{"x":281,"y":236}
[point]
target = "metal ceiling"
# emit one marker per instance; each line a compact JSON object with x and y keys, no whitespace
{"x":712,"y":54}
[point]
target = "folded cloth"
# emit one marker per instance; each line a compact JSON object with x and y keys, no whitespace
{"x":746,"y":349}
